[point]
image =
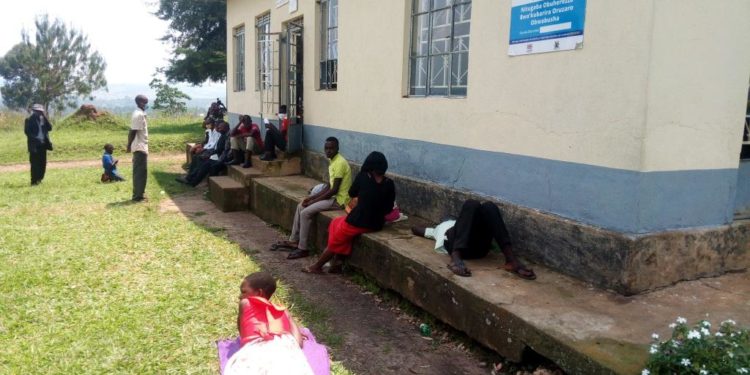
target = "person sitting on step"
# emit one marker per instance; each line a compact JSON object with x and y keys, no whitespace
{"x":375,"y":195}
{"x":245,"y":137}
{"x":332,"y":196}
{"x":214,"y":164}
{"x":470,"y":237}
{"x":275,"y":138}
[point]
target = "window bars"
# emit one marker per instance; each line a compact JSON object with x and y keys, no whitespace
{"x":439,"y":53}
{"x":329,"y":53}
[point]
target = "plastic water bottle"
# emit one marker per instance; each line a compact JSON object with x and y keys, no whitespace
{"x":425,"y":330}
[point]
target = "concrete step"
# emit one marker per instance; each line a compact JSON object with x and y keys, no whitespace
{"x":227,"y":194}
{"x":243,"y":175}
{"x":583,"y":329}
{"x":288,"y":166}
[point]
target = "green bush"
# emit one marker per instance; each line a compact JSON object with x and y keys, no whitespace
{"x":696,"y":350}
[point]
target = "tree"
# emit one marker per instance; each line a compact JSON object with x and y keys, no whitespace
{"x":198,"y":34}
{"x":54,"y":71}
{"x":168,"y":98}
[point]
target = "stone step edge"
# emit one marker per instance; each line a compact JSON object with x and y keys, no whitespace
{"x":511,"y":332}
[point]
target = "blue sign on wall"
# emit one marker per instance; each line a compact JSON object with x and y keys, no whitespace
{"x":546,"y":25}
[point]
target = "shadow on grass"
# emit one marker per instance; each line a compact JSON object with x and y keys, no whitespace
{"x":125,"y":203}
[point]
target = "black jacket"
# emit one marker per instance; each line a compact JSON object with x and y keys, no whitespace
{"x":31,"y":129}
{"x":375,"y":200}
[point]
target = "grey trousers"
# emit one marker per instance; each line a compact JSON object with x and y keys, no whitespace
{"x":303,"y":219}
{"x":140,"y":174}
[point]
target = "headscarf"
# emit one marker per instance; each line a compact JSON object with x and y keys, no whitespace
{"x":375,"y":162}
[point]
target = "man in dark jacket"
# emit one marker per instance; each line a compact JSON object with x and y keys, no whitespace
{"x":215,"y":162}
{"x":37,"y":128}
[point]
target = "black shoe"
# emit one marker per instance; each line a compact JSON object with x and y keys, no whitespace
{"x":247,"y":164}
{"x":268,"y":157}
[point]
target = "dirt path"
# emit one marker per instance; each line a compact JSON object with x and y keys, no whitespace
{"x":376,"y":339}
{"x":125,"y":159}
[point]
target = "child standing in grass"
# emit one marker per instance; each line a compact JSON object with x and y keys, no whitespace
{"x":271,"y":342}
{"x":110,"y":164}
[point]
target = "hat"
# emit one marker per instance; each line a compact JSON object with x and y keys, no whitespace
{"x":37,"y":107}
{"x":266,"y":121}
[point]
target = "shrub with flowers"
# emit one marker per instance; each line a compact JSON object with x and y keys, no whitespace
{"x":698,"y":350}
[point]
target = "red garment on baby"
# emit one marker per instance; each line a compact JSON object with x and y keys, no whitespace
{"x":341,"y":234}
{"x":264,"y":320}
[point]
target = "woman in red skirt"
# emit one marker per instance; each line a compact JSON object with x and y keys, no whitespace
{"x":375,"y":195}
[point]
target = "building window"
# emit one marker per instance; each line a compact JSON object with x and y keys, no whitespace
{"x":263,"y":57}
{"x":439,"y":53}
{"x":239,"y":58}
{"x":329,"y":52}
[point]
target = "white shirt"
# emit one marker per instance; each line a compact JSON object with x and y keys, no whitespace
{"x":213,"y":137}
{"x":138,"y":122}
{"x":438,"y":234}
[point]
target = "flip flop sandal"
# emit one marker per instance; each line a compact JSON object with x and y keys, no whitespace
{"x":296,"y":254}
{"x":522,"y":272}
{"x":314,"y":272}
{"x":459,"y":269}
{"x":279,"y":246}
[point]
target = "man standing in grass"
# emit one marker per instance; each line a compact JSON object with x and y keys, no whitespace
{"x":37,"y":128}
{"x":138,"y":144}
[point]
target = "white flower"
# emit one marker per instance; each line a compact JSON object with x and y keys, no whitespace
{"x":706,"y":324}
{"x":675,"y":343}
{"x":730,"y":354}
{"x":703,"y":372}
{"x":729,"y":321}
{"x":654,"y":336}
{"x":685,"y":362}
{"x":645,"y":372}
{"x":719,"y":334}
{"x":653,"y":349}
{"x":681,"y":320}
{"x":672,"y":325}
{"x":705,"y":332}
{"x":693,"y":334}
{"x":742,"y":370}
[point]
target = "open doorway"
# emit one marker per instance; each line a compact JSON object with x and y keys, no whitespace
{"x":292,"y":85}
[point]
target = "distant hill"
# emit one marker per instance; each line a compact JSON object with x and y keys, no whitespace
{"x":120,"y":97}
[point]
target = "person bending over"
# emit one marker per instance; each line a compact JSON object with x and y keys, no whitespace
{"x":333,"y":196}
{"x":470,"y":237}
{"x":271,"y":341}
{"x":375,"y":195}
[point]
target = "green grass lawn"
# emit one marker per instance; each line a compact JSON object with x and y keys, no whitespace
{"x":74,"y":140}
{"x":92,"y":284}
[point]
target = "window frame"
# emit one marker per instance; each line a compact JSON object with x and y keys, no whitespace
{"x":238,"y":35}
{"x":414,"y":13}
{"x":328,"y":67}
{"x":263,"y":72}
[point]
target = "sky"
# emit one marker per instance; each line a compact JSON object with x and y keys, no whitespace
{"x":125,"y":32}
